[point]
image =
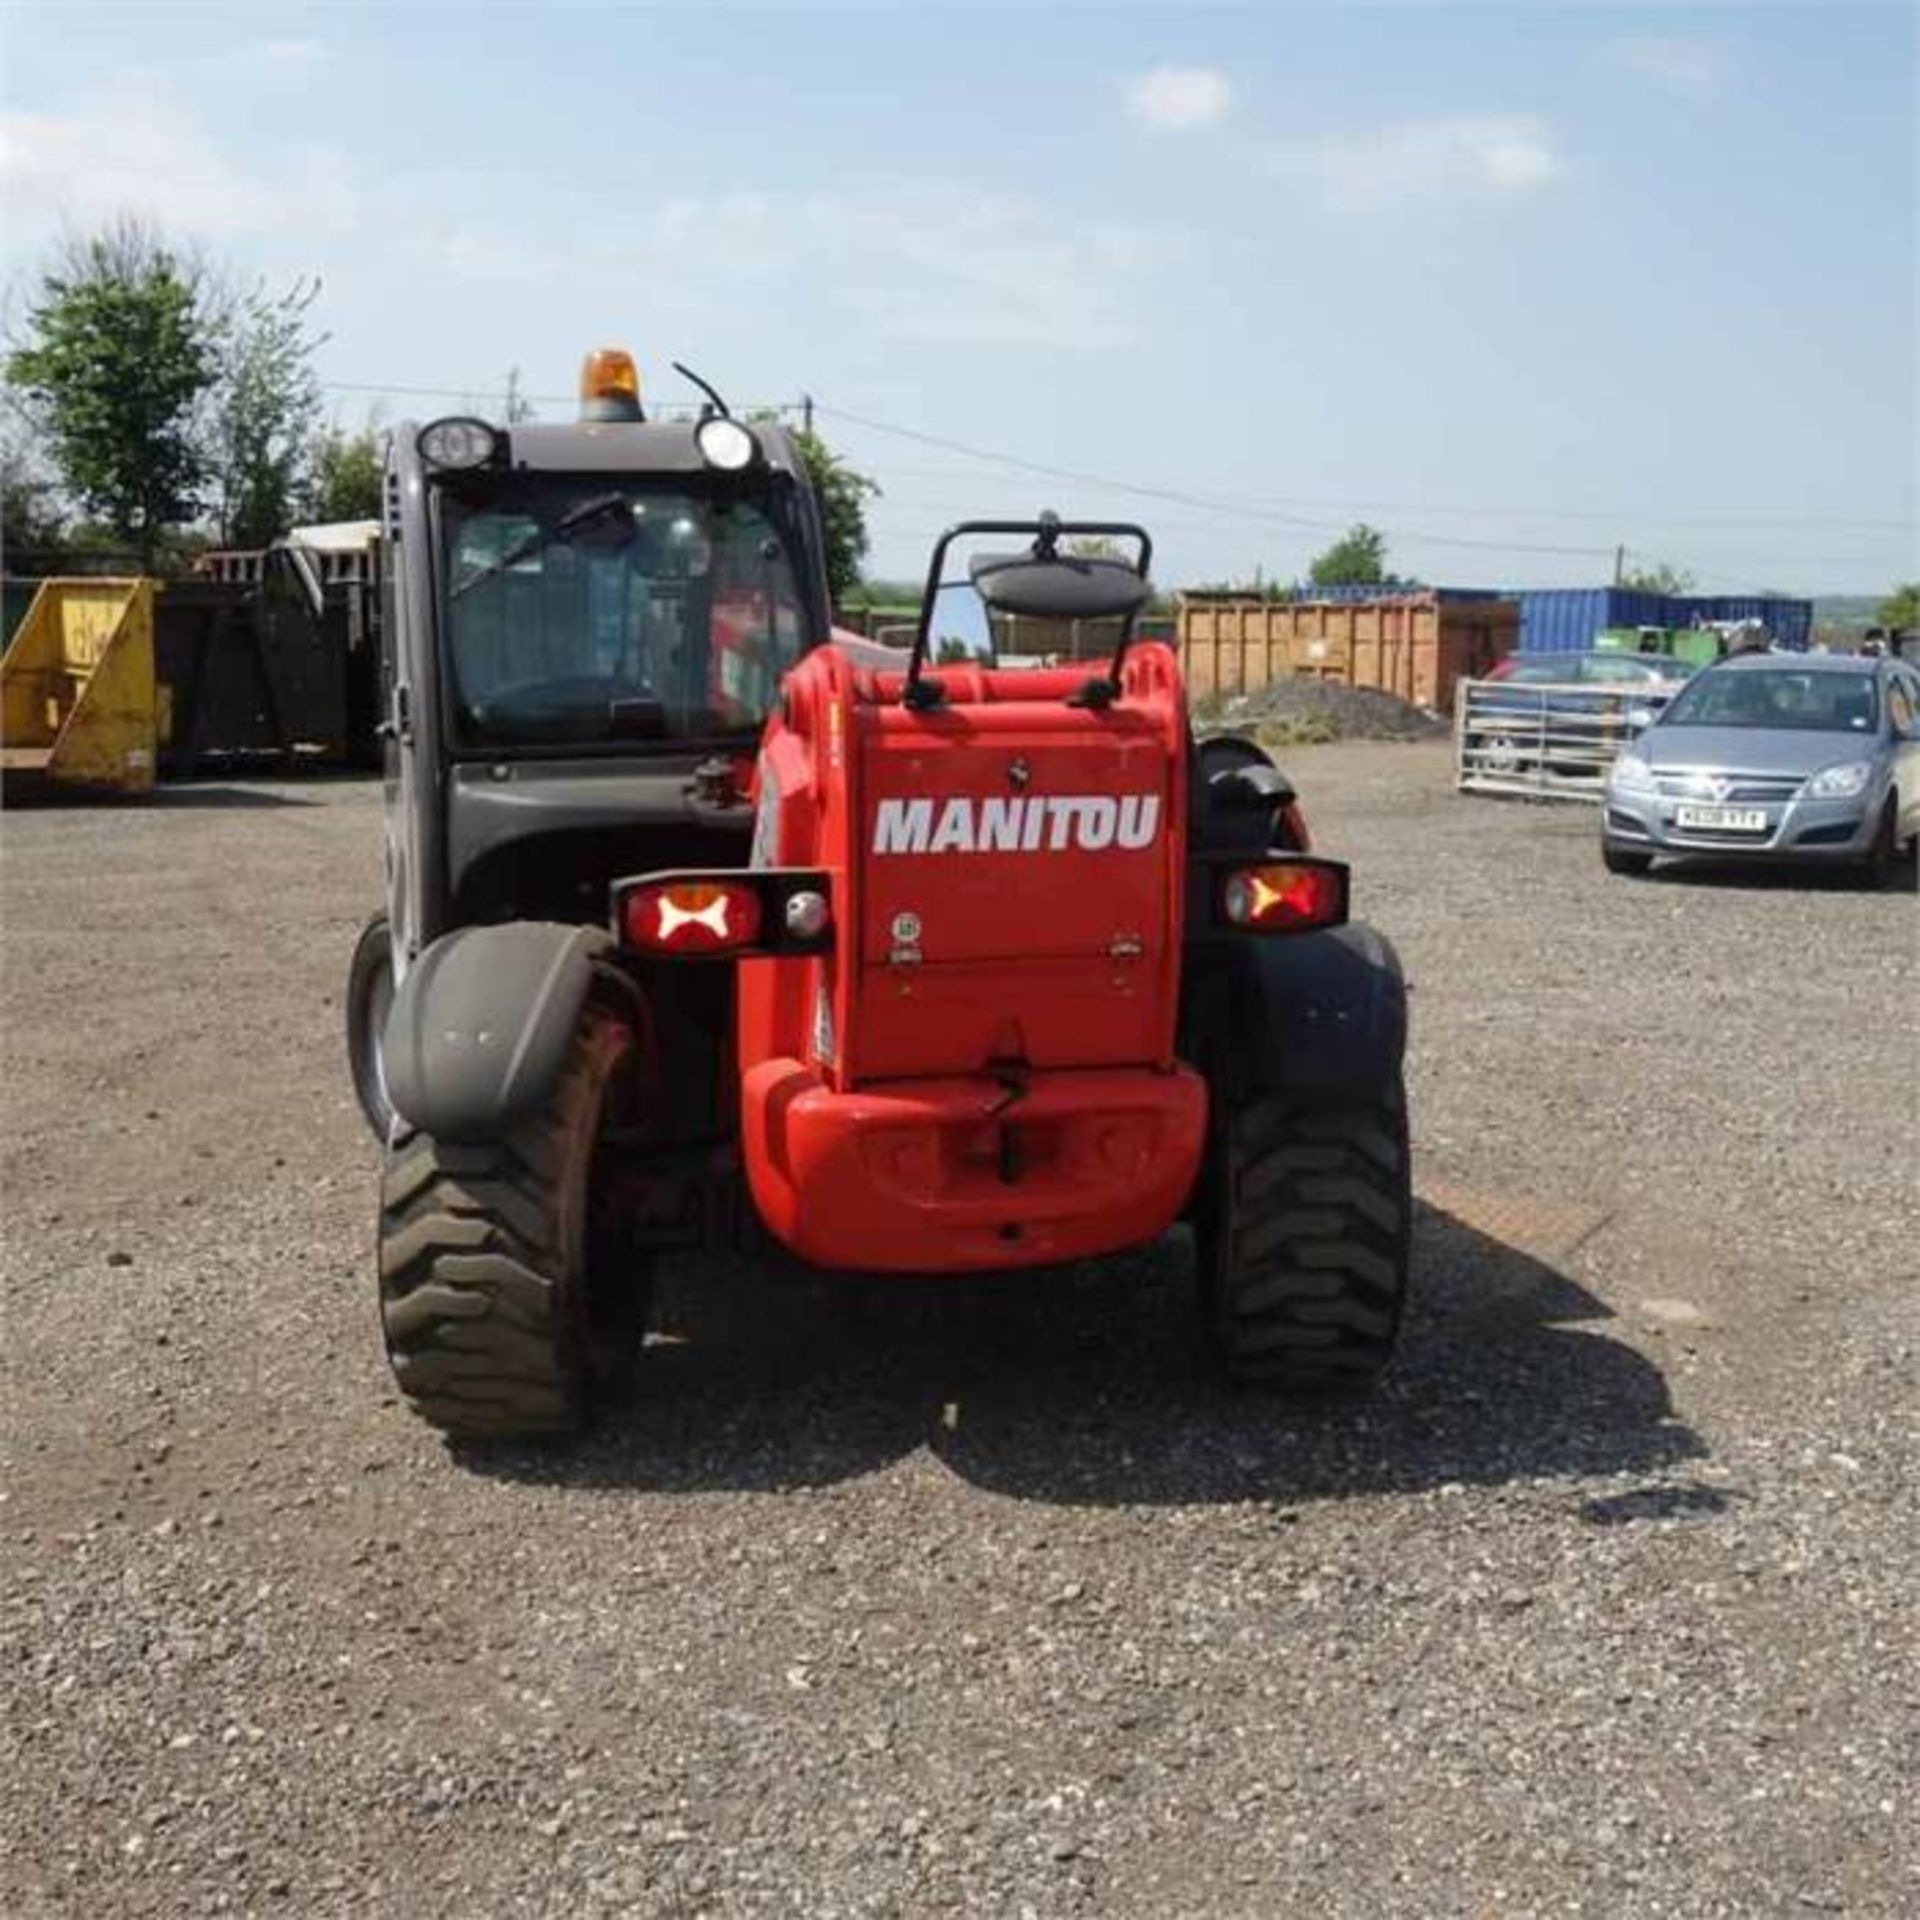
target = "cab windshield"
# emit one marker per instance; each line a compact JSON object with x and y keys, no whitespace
{"x":600,"y":609}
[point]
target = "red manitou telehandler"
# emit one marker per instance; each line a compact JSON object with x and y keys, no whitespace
{"x":706,"y":924}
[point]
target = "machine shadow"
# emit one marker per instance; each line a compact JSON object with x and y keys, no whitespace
{"x":222,"y":795}
{"x":1092,"y":1388}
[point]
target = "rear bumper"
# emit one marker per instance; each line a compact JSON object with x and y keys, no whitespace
{"x":918,"y":1176}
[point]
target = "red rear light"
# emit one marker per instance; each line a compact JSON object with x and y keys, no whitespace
{"x":1285,"y":896}
{"x":691,"y":916}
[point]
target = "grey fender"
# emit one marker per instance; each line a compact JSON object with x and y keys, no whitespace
{"x":1320,"y":1015}
{"x":481,"y":1024}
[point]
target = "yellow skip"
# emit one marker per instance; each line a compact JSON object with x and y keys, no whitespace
{"x":78,"y":708}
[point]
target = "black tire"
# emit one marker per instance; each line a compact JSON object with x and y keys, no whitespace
{"x":512,"y":1305}
{"x":1304,"y":1241}
{"x":1620,"y":860}
{"x":369,"y":996}
{"x":1882,"y":866}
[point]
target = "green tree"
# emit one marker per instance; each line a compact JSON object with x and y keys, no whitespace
{"x":843,"y":495}
{"x":1660,"y":577}
{"x":264,"y":412}
{"x":1259,"y":587}
{"x":120,"y":352}
{"x":344,"y":475}
{"x":884,"y":593}
{"x":1357,"y":559}
{"x":1901,"y":608}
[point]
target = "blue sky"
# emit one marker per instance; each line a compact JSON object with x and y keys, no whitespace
{"x":1514,"y":283}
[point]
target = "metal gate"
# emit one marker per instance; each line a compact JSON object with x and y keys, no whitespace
{"x":1551,"y":741}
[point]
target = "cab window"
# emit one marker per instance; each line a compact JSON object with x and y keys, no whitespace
{"x":583,"y":611}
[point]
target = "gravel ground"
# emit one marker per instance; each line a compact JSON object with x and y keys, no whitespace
{"x":981,"y":1599}
{"x":1297,"y":712}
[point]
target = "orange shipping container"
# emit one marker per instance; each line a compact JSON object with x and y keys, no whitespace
{"x":1416,"y":645}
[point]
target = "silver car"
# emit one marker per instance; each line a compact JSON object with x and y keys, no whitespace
{"x":1779,"y":756}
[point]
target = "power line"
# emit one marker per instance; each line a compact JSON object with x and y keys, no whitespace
{"x":974,"y":501}
{"x":1404,"y":536}
{"x":1615,"y":516}
{"x":1269,"y":516}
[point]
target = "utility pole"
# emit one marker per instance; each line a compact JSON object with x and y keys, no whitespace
{"x":1619,"y":564}
{"x":806,"y":413}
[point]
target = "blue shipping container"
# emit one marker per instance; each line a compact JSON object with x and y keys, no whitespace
{"x":1567,"y":619}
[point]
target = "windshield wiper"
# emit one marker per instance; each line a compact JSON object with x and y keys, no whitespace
{"x":544,"y":536}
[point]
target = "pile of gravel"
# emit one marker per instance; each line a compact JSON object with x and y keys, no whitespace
{"x":1299,"y":712}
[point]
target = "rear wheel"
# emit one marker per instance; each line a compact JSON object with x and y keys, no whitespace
{"x":1620,"y":860}
{"x":512,"y":1304}
{"x":369,"y":999}
{"x":1304,"y":1240}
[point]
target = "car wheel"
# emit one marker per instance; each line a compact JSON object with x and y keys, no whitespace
{"x":1619,"y":860}
{"x":1882,"y":861}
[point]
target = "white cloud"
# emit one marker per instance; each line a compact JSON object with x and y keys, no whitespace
{"x":475,"y":251}
{"x":1171,"y":99}
{"x":1695,"y":69}
{"x":1466,"y":156}
{"x":920,"y":260}
{"x":126,"y":152}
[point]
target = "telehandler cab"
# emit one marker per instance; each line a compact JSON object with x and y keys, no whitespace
{"x":706,"y":924}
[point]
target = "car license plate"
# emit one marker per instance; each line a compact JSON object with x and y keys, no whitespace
{"x":1722,"y":819}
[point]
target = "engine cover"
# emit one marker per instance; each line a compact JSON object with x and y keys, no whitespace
{"x":1007,"y":866}
{"x":1007,"y":877}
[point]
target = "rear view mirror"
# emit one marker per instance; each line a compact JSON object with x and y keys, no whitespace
{"x":1639,"y":717}
{"x":1062,"y":587}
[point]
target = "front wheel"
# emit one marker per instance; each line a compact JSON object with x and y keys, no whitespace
{"x":1620,"y":860}
{"x":511,"y":1296}
{"x":1883,"y":865}
{"x":1305,"y":1234}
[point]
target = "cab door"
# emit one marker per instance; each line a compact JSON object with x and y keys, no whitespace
{"x":414,"y":789}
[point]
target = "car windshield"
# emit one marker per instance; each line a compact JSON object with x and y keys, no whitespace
{"x":592,"y":610}
{"x":1780,"y":698}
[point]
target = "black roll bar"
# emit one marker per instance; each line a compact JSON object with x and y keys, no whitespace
{"x":1047,"y":529}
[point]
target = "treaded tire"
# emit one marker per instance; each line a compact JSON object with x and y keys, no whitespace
{"x":509,"y":1310}
{"x":1883,"y":867}
{"x":1620,"y":861}
{"x":1304,"y":1246}
{"x":369,"y":997}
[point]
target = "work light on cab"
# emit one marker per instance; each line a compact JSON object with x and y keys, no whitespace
{"x":691,"y":916}
{"x":726,"y":445}
{"x":610,"y":387}
{"x":1285,"y":896}
{"x":457,"y":442}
